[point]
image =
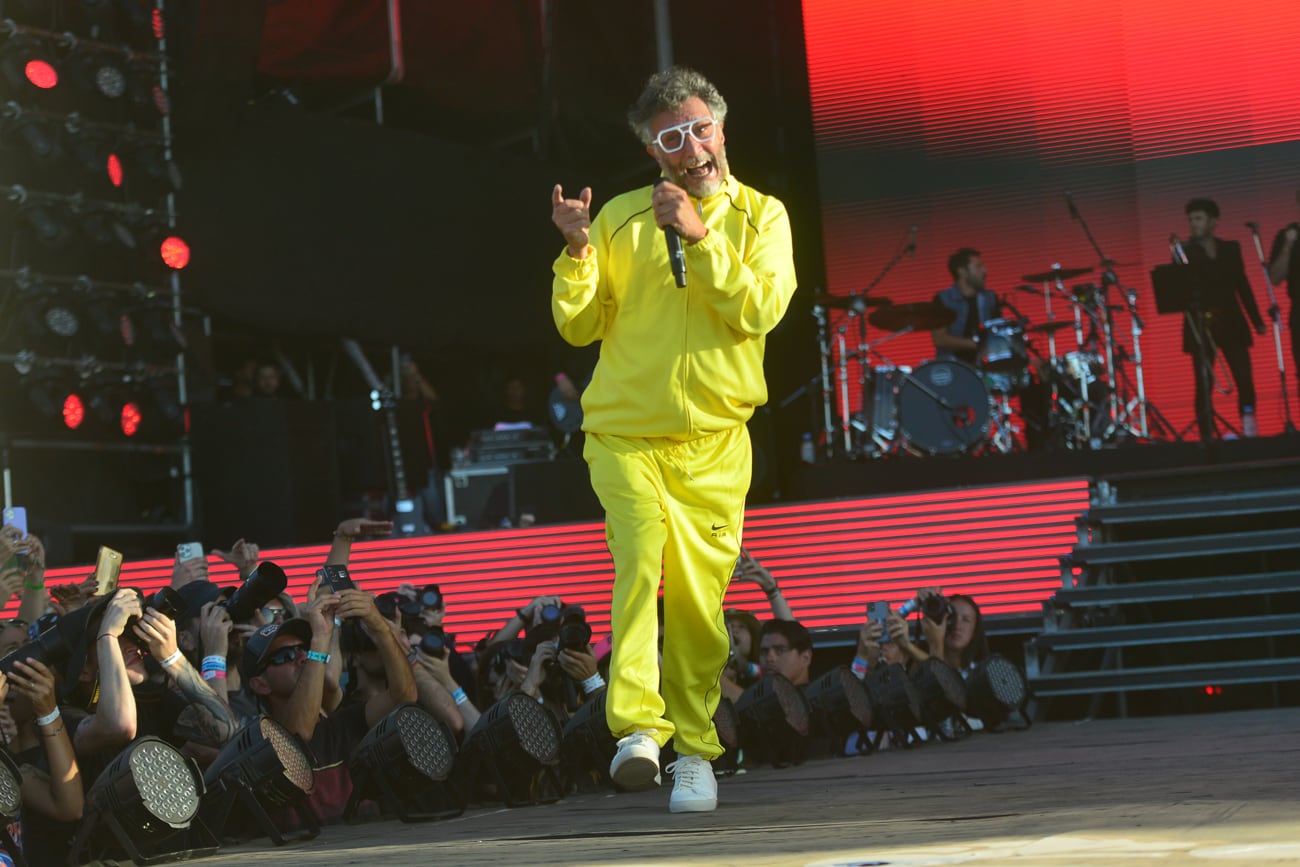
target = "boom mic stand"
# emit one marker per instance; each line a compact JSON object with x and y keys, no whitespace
{"x":1274,"y":313}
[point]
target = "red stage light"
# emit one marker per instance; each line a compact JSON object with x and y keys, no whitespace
{"x":159,"y":27}
{"x":130,"y":418}
{"x":175,"y":252}
{"x":74,"y":412}
{"x":115,"y":170}
{"x":41,"y":74}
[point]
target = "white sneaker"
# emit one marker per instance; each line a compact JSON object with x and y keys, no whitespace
{"x":636,"y":764}
{"x":694,"y":788}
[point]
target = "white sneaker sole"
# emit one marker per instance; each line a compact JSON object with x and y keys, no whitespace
{"x":636,"y":773}
{"x":692,"y":806}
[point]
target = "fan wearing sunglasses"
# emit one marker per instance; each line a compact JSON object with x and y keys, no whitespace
{"x":679,"y":375}
{"x":284,"y":666}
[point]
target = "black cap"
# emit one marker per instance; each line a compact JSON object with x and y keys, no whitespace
{"x":199,"y":593}
{"x":257,"y":647}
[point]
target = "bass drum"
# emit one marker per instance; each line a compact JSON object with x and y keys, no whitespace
{"x":943,"y":408}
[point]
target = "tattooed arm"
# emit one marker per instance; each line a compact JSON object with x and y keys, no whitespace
{"x":206,"y":719}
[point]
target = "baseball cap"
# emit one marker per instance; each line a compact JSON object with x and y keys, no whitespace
{"x":199,"y":593}
{"x":257,"y":647}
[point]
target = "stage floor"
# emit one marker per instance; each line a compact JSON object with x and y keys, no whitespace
{"x":1220,"y":789}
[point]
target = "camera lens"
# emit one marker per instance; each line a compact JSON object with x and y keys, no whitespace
{"x":550,"y":613}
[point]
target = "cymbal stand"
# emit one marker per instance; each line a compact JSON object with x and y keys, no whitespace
{"x":824,"y":350}
{"x":1140,"y":404}
{"x":846,"y":422}
{"x":1083,"y":434}
{"x":1108,"y":279}
{"x":1275,"y":313}
{"x":1053,"y":421}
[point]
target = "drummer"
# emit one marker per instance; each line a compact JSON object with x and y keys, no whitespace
{"x":973,"y":304}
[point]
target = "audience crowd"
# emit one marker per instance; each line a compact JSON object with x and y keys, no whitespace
{"x":84,"y":674}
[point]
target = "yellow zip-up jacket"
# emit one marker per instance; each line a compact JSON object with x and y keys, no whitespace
{"x":677,"y":363}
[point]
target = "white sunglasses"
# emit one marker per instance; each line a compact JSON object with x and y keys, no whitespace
{"x":673,"y":138}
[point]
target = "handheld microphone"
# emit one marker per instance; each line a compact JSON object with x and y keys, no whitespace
{"x":1176,"y":246}
{"x":911,"y":242}
{"x":676,"y":255}
{"x":1252,"y":225}
{"x":1069,"y":201}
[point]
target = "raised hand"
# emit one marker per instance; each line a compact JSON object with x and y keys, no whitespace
{"x":573,"y":218}
{"x":242,"y":555}
{"x":360,"y":528}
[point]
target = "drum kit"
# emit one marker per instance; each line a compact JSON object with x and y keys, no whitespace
{"x":949,"y":407}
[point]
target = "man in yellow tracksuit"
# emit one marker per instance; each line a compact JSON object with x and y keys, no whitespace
{"x":680,"y":372}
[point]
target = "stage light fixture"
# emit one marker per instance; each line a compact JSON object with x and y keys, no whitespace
{"x":11,"y":805}
{"x":100,"y":73}
{"x":36,"y":135}
{"x":42,"y":217}
{"x":943,"y":699}
{"x":895,"y":706}
{"x":130,"y":418}
{"x":105,"y":227}
{"x":726,"y":721}
{"x":174,"y":252}
{"x":28,"y":63}
{"x":587,"y":746}
{"x":840,"y":705}
{"x":113,"y":166}
{"x":775,"y":720}
{"x":148,"y":796}
{"x":996,"y":690}
{"x":263,"y":767}
{"x":404,"y":763}
{"x":74,"y":411}
{"x":518,"y":742}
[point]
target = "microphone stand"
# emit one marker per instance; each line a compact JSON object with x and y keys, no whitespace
{"x":1274,"y":313}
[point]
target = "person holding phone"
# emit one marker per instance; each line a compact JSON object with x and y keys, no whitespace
{"x":680,"y":282}
{"x":284,"y":665}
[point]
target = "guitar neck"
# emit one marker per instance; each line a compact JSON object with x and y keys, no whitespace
{"x":400,"y":490}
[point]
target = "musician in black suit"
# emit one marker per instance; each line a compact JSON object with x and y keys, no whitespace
{"x":1283,"y":264}
{"x":1225,"y":292}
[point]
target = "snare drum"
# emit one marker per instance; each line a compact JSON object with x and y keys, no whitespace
{"x":943,"y":408}
{"x":1081,"y":367}
{"x":1002,"y":346}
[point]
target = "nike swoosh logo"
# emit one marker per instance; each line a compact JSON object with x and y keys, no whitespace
{"x":717,"y":527}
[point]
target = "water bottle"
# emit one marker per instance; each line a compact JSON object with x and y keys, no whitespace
{"x":808,"y":449}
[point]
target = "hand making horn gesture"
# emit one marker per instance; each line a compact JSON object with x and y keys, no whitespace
{"x":573,"y":218}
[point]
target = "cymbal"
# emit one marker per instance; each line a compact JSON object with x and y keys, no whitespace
{"x":855,"y":303}
{"x":1055,"y":274}
{"x":921,"y":316}
{"x":1051,"y":326}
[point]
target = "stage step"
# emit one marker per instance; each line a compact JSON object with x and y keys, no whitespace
{"x":1100,"y":595}
{"x":1166,"y":677}
{"x":1217,"y":505}
{"x":1103,"y":553}
{"x":1144,"y":634}
{"x":1147,"y":486}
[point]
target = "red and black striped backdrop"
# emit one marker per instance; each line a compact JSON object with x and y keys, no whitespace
{"x":999,"y":544}
{"x":970,"y":119}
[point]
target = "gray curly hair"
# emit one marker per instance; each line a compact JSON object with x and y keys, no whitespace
{"x":666,"y":91}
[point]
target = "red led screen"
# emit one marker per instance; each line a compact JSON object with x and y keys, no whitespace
{"x":971,"y":119}
{"x":999,"y":544}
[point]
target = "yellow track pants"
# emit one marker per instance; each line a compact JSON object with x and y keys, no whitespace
{"x":672,"y":508}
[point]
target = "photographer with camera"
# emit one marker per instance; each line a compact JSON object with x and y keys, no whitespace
{"x":52,"y":789}
{"x":284,"y":665}
{"x":958,"y":636}
{"x":116,"y":699}
{"x":438,"y":689}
